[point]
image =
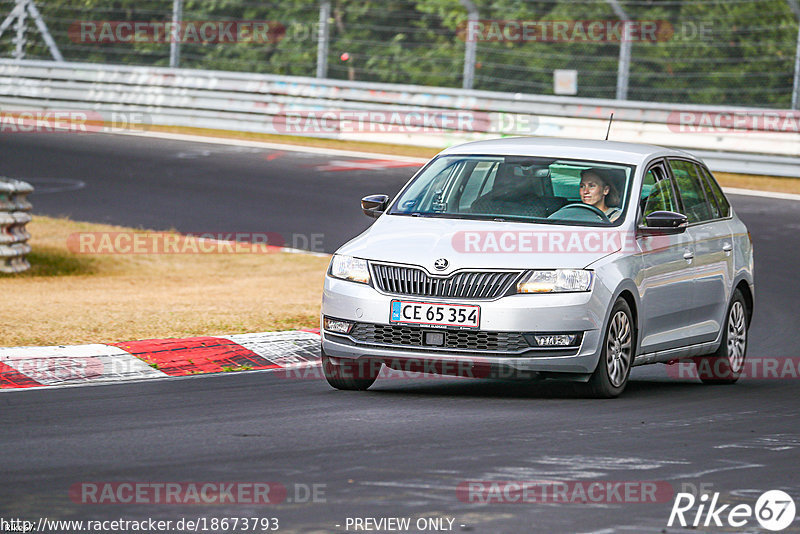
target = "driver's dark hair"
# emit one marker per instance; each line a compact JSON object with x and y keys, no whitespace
{"x":612,"y":198}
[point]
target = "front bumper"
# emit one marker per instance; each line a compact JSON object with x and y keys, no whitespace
{"x":542,"y":313}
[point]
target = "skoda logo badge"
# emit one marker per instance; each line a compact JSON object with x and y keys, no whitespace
{"x":441,"y":264}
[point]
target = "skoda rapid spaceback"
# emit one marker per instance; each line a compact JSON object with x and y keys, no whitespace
{"x":547,"y":259}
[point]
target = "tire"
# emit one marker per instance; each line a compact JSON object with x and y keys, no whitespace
{"x":726,"y":364}
{"x":350,"y":375}
{"x":617,"y":353}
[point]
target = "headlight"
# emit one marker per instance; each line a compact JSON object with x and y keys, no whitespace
{"x":349,"y":268}
{"x":556,"y":281}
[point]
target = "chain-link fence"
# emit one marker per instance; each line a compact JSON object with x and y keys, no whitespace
{"x":732,"y":52}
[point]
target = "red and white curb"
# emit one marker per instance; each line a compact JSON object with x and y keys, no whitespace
{"x":27,"y":367}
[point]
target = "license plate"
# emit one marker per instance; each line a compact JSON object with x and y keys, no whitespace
{"x":430,"y":313}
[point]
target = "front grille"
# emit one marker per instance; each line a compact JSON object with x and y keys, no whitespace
{"x":467,"y":340}
{"x":416,"y":282}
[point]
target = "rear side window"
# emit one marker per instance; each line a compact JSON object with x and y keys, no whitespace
{"x":689,"y":179}
{"x":719,"y":196}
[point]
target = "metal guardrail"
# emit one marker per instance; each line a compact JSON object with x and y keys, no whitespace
{"x":199,"y":89}
{"x":14,"y":208}
{"x":261,"y":103}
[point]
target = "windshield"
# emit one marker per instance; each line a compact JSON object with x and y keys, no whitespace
{"x":557,"y":191}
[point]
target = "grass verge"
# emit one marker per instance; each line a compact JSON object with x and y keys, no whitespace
{"x":69,"y":298}
{"x":759,"y":183}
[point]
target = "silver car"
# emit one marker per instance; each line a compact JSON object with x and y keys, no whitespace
{"x":543,"y":258}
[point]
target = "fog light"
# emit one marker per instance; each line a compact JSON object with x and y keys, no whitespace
{"x":556,"y":340}
{"x":335,"y":325}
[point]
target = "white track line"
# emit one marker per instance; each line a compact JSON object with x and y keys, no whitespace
{"x":765,"y":194}
{"x":272,"y":146}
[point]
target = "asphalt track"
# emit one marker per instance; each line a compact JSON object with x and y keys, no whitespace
{"x":402,"y":448}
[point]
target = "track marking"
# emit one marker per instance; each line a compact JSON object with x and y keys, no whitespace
{"x":59,"y":185}
{"x":739,"y":465}
{"x":370,"y":164}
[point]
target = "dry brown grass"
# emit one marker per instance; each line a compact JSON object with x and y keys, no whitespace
{"x":69,"y":298}
{"x":760,"y":183}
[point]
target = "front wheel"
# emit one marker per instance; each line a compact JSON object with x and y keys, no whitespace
{"x":619,"y":344}
{"x":726,"y":364}
{"x":353,"y":375}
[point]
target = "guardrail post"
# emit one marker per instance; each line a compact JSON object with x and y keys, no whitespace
{"x":796,"y":82}
{"x":470,"y":44}
{"x":322,"y":39}
{"x":624,"y":65}
{"x":19,"y":13}
{"x":19,"y":39}
{"x":174,"y":42}
{"x":13,"y":217}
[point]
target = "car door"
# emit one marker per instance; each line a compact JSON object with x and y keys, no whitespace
{"x":713,"y":244}
{"x":667,"y":283}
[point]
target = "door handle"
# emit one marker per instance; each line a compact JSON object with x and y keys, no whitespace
{"x":727,"y":248}
{"x":688,"y":255}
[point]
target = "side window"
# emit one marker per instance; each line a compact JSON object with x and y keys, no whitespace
{"x":689,"y":179}
{"x":719,"y":196}
{"x":657,"y":193}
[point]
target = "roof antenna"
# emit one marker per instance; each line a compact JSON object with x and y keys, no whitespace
{"x":611,"y":118}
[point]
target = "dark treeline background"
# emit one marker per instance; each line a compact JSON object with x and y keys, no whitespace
{"x":735,"y":52}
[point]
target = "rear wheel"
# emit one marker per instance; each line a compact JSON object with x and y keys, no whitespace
{"x":726,"y":364}
{"x":611,"y":375}
{"x":346,"y":374}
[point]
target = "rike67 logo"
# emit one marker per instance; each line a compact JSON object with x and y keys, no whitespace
{"x":774,"y":510}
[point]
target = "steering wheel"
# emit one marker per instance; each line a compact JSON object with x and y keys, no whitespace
{"x":596,"y":211}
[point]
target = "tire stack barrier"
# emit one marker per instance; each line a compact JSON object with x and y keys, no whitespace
{"x":14,"y":208}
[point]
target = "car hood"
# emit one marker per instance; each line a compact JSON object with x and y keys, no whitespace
{"x":482,"y":244}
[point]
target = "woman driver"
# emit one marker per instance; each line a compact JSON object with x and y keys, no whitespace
{"x":600,"y":193}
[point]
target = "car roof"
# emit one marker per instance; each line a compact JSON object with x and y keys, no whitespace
{"x":586,"y":149}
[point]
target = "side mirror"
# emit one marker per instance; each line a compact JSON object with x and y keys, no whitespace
{"x":374,"y":205}
{"x":665,"y":222}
